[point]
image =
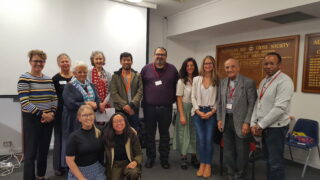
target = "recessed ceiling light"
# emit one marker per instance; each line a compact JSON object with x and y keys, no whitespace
{"x":134,"y":1}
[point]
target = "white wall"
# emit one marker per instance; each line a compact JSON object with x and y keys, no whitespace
{"x":178,"y":50}
{"x":76,"y":27}
{"x":218,"y":12}
{"x":157,"y":31}
{"x":10,"y":125}
{"x":304,"y":105}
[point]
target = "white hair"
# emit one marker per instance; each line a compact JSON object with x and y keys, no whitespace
{"x":79,"y":64}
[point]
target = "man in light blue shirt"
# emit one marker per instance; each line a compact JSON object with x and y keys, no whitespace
{"x":270,"y":116}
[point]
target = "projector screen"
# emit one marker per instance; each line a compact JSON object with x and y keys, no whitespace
{"x":75,"y":27}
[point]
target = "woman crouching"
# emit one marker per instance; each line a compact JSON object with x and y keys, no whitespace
{"x":123,"y":150}
{"x":84,"y":151}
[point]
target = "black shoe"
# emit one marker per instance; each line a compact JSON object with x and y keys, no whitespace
{"x":165,"y":164}
{"x":59,"y":172}
{"x":194,"y":162}
{"x":184,"y":163}
{"x":42,"y":178}
{"x":149,"y":163}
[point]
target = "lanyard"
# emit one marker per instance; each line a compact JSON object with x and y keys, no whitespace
{"x":128,"y":82}
{"x":155,"y":71}
{"x":263,"y":90}
{"x":231,"y":90}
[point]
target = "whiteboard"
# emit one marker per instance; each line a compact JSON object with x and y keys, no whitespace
{"x":75,"y":27}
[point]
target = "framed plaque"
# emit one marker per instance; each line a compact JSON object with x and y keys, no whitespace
{"x":311,"y":65}
{"x":251,"y":54}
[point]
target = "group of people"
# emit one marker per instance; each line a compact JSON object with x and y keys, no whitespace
{"x":71,"y":102}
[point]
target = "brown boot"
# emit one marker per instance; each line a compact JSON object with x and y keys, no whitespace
{"x":207,"y":171}
{"x":201,"y":169}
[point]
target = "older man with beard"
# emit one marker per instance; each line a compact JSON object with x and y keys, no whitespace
{"x":159,"y":87}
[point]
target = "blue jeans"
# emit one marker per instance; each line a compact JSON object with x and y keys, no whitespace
{"x":273,"y":147}
{"x":204,"y":131}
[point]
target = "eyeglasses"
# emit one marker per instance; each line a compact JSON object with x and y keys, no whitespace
{"x":208,"y":64}
{"x":87,"y":115}
{"x":118,"y":122}
{"x":38,"y":61}
{"x":82,"y":72}
{"x":158,"y":54}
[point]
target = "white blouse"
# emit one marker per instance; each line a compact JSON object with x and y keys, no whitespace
{"x":184,"y":90}
{"x":205,"y":95}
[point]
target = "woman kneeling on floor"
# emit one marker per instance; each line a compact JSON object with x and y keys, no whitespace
{"x":123,"y":150}
{"x":84,"y":152}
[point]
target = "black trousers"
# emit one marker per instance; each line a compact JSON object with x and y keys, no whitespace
{"x":37,"y":137}
{"x":57,"y":141}
{"x":161,"y":116}
{"x":236,"y":151}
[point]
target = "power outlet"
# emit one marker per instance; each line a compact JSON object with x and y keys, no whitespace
{"x":7,"y":143}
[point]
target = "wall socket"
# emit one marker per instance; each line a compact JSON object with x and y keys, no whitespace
{"x":7,"y":143}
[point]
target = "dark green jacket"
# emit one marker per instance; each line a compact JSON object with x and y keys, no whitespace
{"x":118,"y":90}
{"x":133,"y":150}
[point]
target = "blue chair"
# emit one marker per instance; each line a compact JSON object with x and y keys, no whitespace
{"x":311,"y":129}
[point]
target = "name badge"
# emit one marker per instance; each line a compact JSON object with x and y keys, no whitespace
{"x":229,"y":106}
{"x":62,"y":82}
{"x":158,"y":83}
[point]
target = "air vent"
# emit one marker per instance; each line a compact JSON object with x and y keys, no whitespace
{"x":290,"y":17}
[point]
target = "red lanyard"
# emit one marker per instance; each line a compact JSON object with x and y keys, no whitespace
{"x":155,"y":71}
{"x":263,"y":90}
{"x":231,"y":90}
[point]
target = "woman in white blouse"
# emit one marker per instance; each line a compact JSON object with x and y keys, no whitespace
{"x":184,"y":137}
{"x":204,"y":98}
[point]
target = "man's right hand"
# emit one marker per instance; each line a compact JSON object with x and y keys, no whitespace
{"x":128,"y":110}
{"x":255,"y":131}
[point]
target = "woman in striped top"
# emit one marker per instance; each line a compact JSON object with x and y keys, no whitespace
{"x":39,"y":102}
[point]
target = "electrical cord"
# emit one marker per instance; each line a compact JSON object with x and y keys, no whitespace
{"x":10,"y":162}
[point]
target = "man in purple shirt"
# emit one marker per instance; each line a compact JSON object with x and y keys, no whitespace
{"x":159,"y":88}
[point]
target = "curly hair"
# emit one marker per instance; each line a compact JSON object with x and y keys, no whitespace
{"x":94,"y":54}
{"x":36,"y":52}
{"x":183,"y":74}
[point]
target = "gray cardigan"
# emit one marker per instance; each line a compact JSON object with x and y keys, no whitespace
{"x":272,"y":110}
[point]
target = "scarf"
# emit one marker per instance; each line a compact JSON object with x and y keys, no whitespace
{"x":88,"y":94}
{"x":100,"y":83}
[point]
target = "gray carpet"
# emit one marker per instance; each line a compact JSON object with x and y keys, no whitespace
{"x":293,"y":171}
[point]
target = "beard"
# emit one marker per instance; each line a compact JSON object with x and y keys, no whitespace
{"x":127,"y":67}
{"x":160,"y":61}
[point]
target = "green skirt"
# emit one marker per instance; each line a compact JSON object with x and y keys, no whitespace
{"x":184,"y":137}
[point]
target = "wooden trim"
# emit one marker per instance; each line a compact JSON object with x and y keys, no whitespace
{"x":306,"y":64}
{"x":295,"y":55}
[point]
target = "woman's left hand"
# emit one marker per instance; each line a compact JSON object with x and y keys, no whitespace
{"x":92,"y":104}
{"x":102,"y":107}
{"x":209,"y":114}
{"x":132,"y":165}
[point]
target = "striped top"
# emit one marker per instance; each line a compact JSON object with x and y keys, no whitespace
{"x":37,"y":94}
